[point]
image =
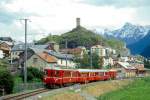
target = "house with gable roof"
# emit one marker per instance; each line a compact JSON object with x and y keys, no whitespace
{"x":125,"y":69}
{"x":38,"y":59}
{"x":19,"y":48}
{"x":63,"y":60}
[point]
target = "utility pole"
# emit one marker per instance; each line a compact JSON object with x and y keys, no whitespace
{"x":91,"y":58}
{"x":66,"y":43}
{"x":11,"y":57}
{"x":25,"y":51}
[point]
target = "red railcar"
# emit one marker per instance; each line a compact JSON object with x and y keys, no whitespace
{"x":61,"y":77}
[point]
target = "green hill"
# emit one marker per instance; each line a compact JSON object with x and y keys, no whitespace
{"x":80,"y":36}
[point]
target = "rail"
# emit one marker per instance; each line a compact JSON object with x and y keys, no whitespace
{"x":24,"y":95}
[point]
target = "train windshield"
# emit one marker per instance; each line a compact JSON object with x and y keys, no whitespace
{"x":52,"y":73}
{"x":55,"y":73}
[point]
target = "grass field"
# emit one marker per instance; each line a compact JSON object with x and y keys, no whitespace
{"x":137,"y":90}
{"x":93,"y":90}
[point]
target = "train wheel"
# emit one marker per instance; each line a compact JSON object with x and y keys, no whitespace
{"x":47,"y":86}
{"x":53,"y":86}
{"x":61,"y":85}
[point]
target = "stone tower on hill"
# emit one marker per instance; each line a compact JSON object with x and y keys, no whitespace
{"x":78,"y":22}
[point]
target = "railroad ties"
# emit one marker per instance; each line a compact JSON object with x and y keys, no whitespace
{"x":25,"y":94}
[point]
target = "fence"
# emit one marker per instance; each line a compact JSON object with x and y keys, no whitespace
{"x":29,"y":86}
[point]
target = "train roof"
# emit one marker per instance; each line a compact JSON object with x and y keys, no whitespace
{"x":81,"y":70}
{"x":92,"y":70}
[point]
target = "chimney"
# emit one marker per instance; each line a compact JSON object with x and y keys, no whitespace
{"x":78,"y":22}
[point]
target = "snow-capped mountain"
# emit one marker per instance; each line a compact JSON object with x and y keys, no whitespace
{"x":137,"y":37}
{"x":129,"y":33}
{"x":138,"y":47}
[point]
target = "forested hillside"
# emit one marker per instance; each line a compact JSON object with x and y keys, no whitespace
{"x":80,"y":36}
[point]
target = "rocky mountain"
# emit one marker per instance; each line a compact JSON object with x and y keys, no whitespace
{"x":129,"y":33}
{"x":136,"y":37}
{"x":146,"y":51}
{"x":139,"y":46}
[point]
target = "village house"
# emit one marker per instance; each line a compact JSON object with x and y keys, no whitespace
{"x":141,"y":71}
{"x":124,"y":69}
{"x":63,"y":60}
{"x":41,"y":61}
{"x":124,"y":58}
{"x":7,"y":40}
{"x":19,"y":48}
{"x":110,"y":51}
{"x":1,"y":54}
{"x":5,"y":49}
{"x":107,"y":61}
{"x":99,"y":50}
{"x":78,"y":52}
{"x":38,"y":59}
{"x":41,"y":58}
{"x":105,"y":53}
{"x":5,"y":46}
{"x":53,"y":46}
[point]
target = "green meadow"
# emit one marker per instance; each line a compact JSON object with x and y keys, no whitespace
{"x":137,"y":90}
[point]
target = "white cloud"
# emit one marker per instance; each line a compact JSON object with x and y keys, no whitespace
{"x":57,"y":16}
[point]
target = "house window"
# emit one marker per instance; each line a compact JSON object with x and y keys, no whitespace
{"x":35,"y":60}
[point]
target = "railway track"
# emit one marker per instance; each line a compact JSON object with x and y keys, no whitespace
{"x":25,"y":95}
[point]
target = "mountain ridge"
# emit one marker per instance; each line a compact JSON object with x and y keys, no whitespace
{"x":139,"y":46}
{"x":129,"y":33}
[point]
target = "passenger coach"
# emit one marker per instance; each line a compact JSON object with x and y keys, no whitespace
{"x":63,"y":77}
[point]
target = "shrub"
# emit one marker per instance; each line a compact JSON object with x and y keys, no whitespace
{"x":6,"y":81}
{"x":33,"y":73}
{"x":36,"y":72}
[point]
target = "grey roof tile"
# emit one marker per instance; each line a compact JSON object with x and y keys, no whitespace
{"x":21,"y":47}
{"x":59,"y":55}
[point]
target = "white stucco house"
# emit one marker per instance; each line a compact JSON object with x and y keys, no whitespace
{"x":99,"y":50}
{"x":1,"y":54}
{"x":63,"y":60}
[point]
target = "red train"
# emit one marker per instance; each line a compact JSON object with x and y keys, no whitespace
{"x":62,"y":77}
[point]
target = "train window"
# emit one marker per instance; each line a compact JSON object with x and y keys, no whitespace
{"x":101,"y":74}
{"x":96,"y":73}
{"x":57,"y":74}
{"x":48,"y":73}
{"x":52,"y":73}
{"x":84,"y":74}
{"x":74,"y":74}
{"x":67,"y":74}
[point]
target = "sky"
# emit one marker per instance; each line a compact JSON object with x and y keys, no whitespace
{"x":58,"y":16}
